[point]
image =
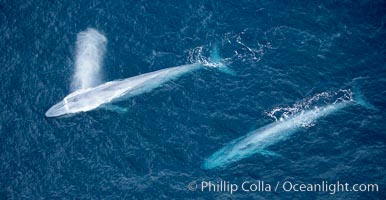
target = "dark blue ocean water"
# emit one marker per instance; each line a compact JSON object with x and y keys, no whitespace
{"x":282,"y":51}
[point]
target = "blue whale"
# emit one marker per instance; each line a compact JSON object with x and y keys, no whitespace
{"x":84,"y":100}
{"x":259,"y":140}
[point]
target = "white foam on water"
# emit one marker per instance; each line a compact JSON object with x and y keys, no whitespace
{"x":90,"y":50}
{"x":314,"y":103}
{"x":197,"y":55}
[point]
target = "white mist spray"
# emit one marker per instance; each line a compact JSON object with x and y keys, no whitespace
{"x":90,"y":50}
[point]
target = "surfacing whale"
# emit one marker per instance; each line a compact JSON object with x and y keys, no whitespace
{"x":259,"y":140}
{"x":84,"y":100}
{"x":88,"y":95}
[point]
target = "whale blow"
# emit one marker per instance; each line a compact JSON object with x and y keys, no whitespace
{"x":90,"y":50}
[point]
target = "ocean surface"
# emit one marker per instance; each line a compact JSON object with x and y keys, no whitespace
{"x":285,"y":55}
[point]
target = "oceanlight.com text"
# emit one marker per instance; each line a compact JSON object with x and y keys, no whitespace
{"x":280,"y":186}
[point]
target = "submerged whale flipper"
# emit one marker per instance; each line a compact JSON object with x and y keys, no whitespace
{"x":227,"y":70}
{"x":114,"y":108}
{"x":269,"y":153}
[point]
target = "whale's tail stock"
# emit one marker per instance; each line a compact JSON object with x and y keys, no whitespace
{"x":359,"y":98}
{"x":216,"y":61}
